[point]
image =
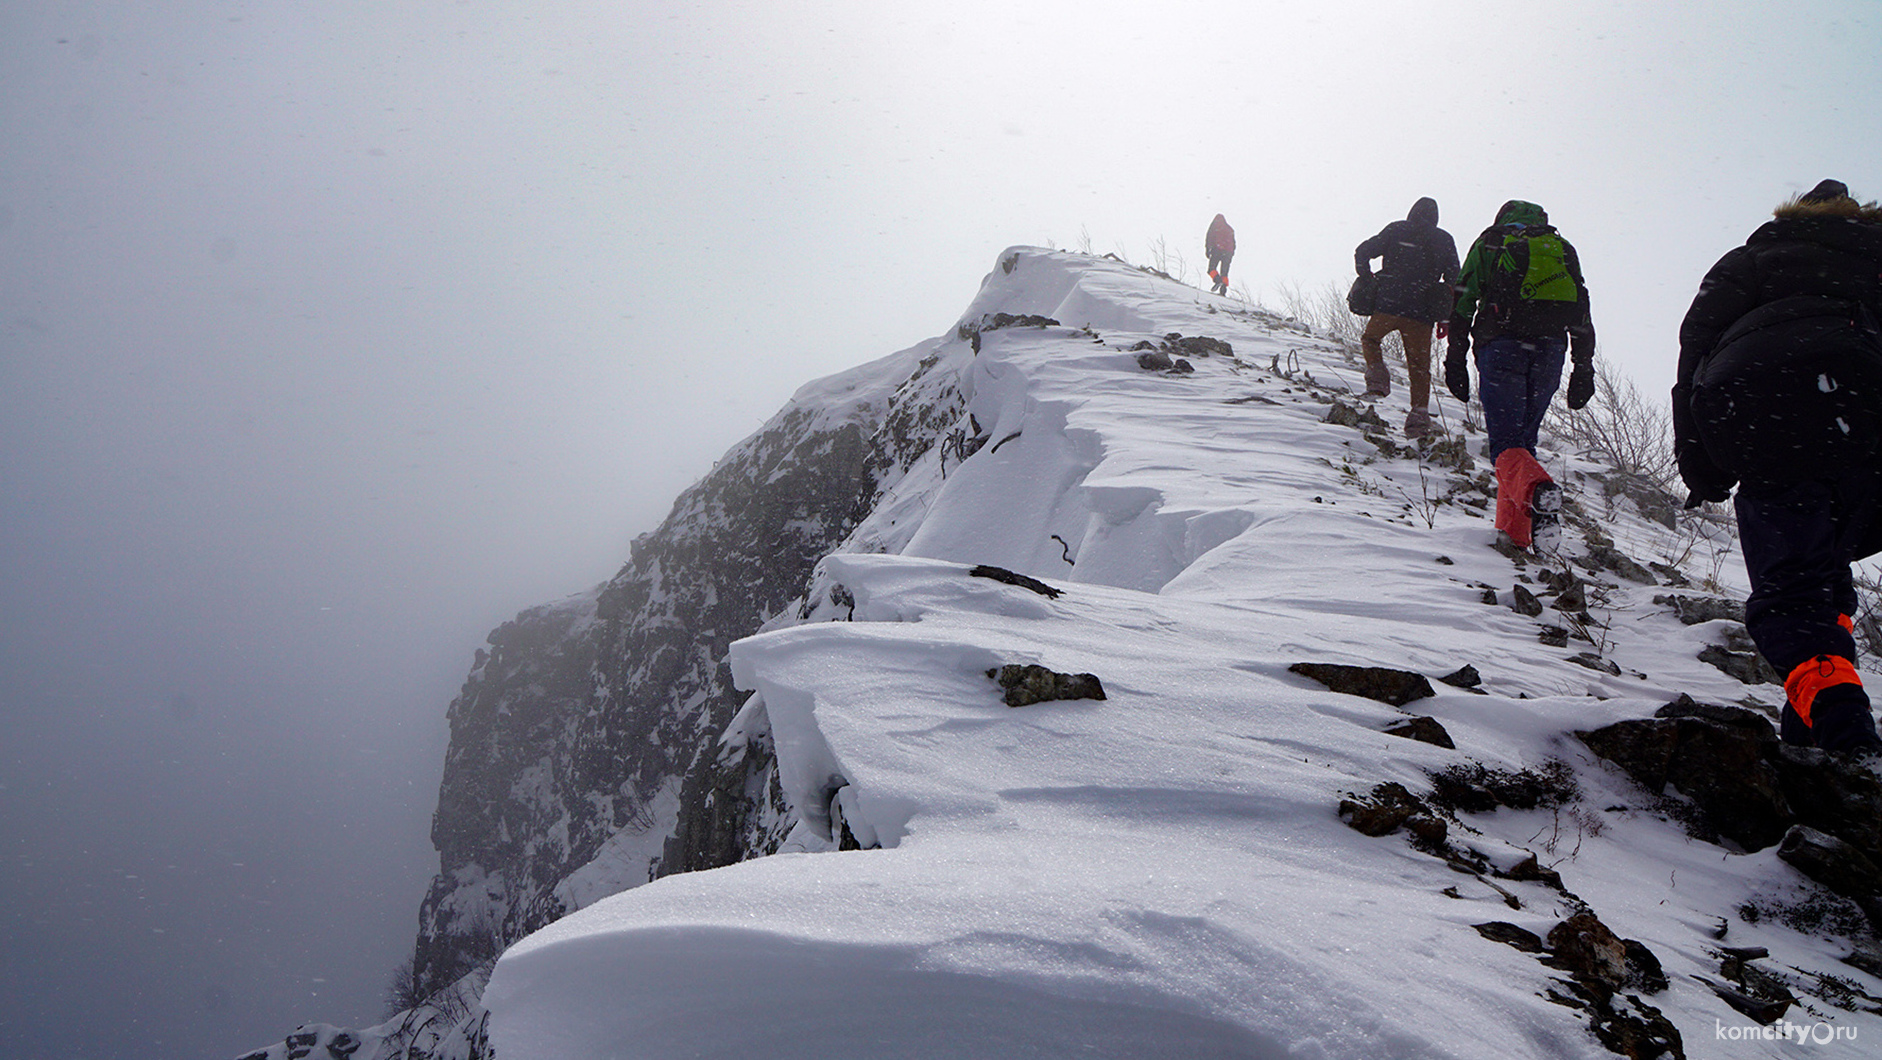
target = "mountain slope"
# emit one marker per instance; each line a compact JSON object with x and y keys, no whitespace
{"x":1180,"y":868}
{"x":576,"y":767}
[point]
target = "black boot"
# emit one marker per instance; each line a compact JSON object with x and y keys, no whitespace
{"x":1840,"y":720}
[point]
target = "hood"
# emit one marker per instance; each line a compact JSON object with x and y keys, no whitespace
{"x":1800,"y":207}
{"x":1424,"y":212}
{"x":1516,"y":211}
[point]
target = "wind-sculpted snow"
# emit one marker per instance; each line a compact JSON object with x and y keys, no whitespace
{"x":584,"y":752}
{"x":1162,"y":872}
{"x":784,"y":713}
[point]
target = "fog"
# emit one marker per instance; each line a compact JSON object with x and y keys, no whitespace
{"x":332,"y":335}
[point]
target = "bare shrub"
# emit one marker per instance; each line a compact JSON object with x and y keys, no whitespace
{"x":1169,"y":261}
{"x":1623,"y":429}
{"x":1323,"y":309}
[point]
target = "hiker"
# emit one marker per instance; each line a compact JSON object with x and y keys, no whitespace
{"x":1412,"y":291}
{"x":1789,"y":321}
{"x":1521,"y":297}
{"x":1219,"y":243}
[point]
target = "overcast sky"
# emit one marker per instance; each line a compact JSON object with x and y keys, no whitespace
{"x":333,"y":334}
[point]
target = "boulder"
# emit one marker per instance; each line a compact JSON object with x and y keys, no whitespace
{"x":1026,"y":684}
{"x":1397,"y":687}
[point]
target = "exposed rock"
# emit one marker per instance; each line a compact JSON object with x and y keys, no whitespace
{"x":1463,"y":677}
{"x":1026,"y":684}
{"x":1356,"y":416}
{"x":1622,"y":1023}
{"x":1755,"y":724}
{"x":1749,"y":988}
{"x":582,"y":717}
{"x":1833,"y":794}
{"x":1475,"y":788}
{"x":1553,"y":636}
{"x":1607,"y":557}
{"x":1692,"y":610}
{"x":1670,"y":575}
{"x":1451,"y":451}
{"x":1530,"y":869}
{"x":1397,"y":687}
{"x":1524,"y":602}
{"x":1198,"y":346}
{"x":1584,"y":947}
{"x":1835,"y":864}
{"x":1865,"y":956}
{"x":1595,"y":662}
{"x":1009,"y":320}
{"x":1722,"y":767}
{"x":1763,"y":1010}
{"x":1422,"y":729}
{"x":1746,"y":666}
{"x":1510,"y":935}
{"x":1384,"y":809}
{"x":971,"y":331}
{"x":1602,"y":967}
{"x":1650,"y":500}
{"x":1001,"y":574}
{"x":1573,"y":597}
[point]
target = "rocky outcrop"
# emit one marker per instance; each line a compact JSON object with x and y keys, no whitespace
{"x":1722,"y":770}
{"x":591,"y":726}
{"x":1387,"y":685}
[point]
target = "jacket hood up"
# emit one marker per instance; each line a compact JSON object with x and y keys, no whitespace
{"x":1800,"y":207}
{"x":1516,"y":211}
{"x":1424,"y":213}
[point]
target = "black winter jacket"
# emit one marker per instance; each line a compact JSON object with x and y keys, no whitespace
{"x":1831,"y":249}
{"x":1418,"y":254}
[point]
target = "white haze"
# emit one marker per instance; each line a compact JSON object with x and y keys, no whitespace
{"x":331,"y":335}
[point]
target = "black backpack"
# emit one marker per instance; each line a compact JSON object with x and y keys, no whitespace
{"x":1363,"y":295}
{"x":1793,"y":390}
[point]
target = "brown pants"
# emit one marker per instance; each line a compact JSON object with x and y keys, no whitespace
{"x":1416,"y":334}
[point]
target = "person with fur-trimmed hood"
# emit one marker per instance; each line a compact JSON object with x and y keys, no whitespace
{"x":1780,"y":393}
{"x":1413,"y":292}
{"x":1219,"y":244}
{"x":1522,"y":298}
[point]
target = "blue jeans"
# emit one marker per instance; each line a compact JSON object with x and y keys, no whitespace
{"x":1516,"y":379}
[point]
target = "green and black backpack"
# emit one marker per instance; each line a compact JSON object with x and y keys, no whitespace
{"x":1527,"y":287}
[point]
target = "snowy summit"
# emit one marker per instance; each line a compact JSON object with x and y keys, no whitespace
{"x":1064,"y":759}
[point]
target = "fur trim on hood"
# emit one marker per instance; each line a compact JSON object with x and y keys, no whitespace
{"x":1843,"y":206}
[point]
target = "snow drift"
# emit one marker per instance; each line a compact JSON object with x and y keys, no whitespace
{"x":1166,"y":871}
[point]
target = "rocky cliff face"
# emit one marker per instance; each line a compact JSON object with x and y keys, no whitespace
{"x":584,"y":753}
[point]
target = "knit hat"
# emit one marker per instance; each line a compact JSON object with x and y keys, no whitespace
{"x":1826,"y":191}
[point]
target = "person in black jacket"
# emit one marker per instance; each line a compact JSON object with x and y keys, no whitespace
{"x":1413,"y":293}
{"x":1807,"y":279}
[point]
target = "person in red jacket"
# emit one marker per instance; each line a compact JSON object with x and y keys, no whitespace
{"x":1220,"y":245}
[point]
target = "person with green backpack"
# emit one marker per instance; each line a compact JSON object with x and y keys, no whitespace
{"x":1522,"y":299}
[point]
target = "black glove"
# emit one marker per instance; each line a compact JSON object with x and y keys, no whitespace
{"x":1708,"y":481}
{"x":1581,"y":385}
{"x":1456,"y":368}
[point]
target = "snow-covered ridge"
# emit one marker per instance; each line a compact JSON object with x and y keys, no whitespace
{"x":1165,"y":871}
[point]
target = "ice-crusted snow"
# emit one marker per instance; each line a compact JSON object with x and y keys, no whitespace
{"x":1161,"y":873}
